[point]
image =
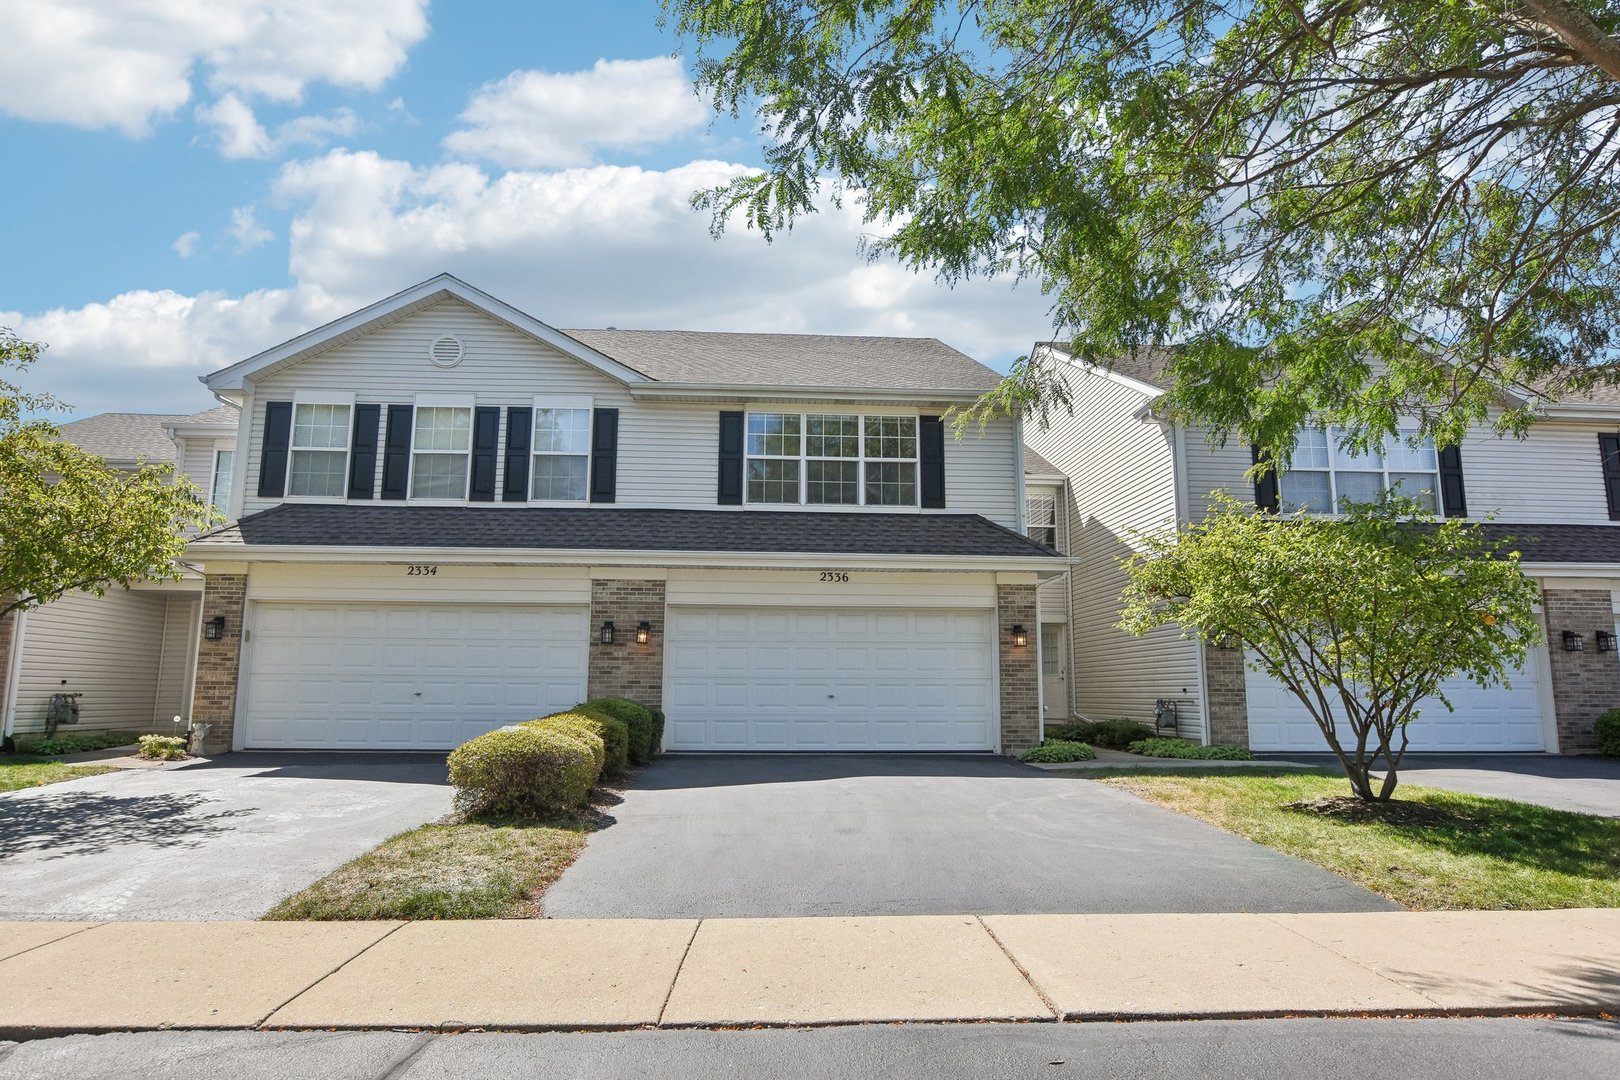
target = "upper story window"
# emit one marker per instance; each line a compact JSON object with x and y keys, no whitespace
{"x":219,"y":490}
{"x":1040,"y":518}
{"x":319,"y":458}
{"x":831,"y":459}
{"x":561,"y":447}
{"x":1324,"y":474}
{"x":441,"y":450}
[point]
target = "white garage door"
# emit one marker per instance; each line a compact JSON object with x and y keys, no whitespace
{"x":406,"y":676}
{"x":821,"y":679}
{"x":1498,"y":718}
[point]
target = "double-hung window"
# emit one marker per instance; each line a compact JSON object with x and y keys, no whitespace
{"x":562,"y":449}
{"x":1040,"y":517}
{"x":318,"y":461}
{"x":1323,"y":474}
{"x":219,"y":490}
{"x":441,"y":447}
{"x":831,"y":459}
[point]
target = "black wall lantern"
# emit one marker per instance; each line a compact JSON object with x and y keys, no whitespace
{"x":607,"y":633}
{"x":1573,"y":642}
{"x":643,"y":632}
{"x":1604,"y":639}
{"x":214,"y":628}
{"x":1020,"y":637}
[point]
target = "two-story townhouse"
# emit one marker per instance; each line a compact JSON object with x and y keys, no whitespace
{"x":1130,"y":473}
{"x":450,"y":516}
{"x":127,"y":654}
{"x":1046,"y":521}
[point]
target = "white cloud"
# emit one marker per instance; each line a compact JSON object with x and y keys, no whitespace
{"x":240,"y":135}
{"x":246,"y":230}
{"x":123,"y":64}
{"x":541,"y":119}
{"x":185,"y":244}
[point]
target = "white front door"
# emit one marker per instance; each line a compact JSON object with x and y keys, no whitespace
{"x":405,"y":676}
{"x":1055,"y":671}
{"x":765,"y":678}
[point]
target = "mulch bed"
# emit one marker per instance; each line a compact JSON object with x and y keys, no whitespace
{"x":1395,"y":812}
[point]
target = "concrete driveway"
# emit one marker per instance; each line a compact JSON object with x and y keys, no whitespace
{"x":222,"y":839}
{"x":789,"y":835}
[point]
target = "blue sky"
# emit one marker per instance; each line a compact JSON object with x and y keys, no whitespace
{"x":189,"y":182}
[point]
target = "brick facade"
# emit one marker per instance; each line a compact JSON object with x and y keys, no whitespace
{"x":1225,"y":684}
{"x":1020,"y":668}
{"x":1586,"y":683}
{"x":624,"y":668}
{"x":218,"y":662}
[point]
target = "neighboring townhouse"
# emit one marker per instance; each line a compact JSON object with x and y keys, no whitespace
{"x":1128,"y":472}
{"x":1047,"y":522}
{"x":128,"y":654}
{"x":451,"y":516}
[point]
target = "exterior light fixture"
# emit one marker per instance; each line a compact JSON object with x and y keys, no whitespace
{"x":1604,"y":639}
{"x":1020,"y":637}
{"x":1573,"y":642}
{"x":607,"y":632}
{"x":643,"y":632}
{"x":214,"y":628}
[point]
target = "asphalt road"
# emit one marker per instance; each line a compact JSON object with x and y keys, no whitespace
{"x":1490,"y":1049}
{"x":912,"y":834}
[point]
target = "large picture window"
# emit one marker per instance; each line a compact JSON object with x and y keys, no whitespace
{"x":319,"y":458}
{"x":441,"y":449}
{"x":831,"y":459}
{"x":562,"y":447}
{"x":1323,"y":475}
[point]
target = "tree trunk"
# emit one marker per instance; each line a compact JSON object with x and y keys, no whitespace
{"x":1575,"y":27}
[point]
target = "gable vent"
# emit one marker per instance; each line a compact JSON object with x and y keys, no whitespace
{"x":446,"y":351}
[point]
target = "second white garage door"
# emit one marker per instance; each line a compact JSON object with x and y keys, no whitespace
{"x":827,"y":679}
{"x":406,"y":676}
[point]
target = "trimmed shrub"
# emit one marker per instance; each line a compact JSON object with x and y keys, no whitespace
{"x":610,"y":729}
{"x":1608,"y":733}
{"x":1056,"y":752}
{"x":1113,"y":734}
{"x":579,"y":727}
{"x":162,"y":747}
{"x":1185,"y":748}
{"x":76,"y":743}
{"x":523,"y":771}
{"x":646,"y":731}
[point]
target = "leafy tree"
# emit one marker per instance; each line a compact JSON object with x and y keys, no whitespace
{"x":1341,"y":211}
{"x":70,"y":522}
{"x":1361,"y":617}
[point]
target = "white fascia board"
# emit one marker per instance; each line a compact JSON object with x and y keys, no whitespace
{"x":779,"y":393}
{"x":1106,"y":373}
{"x":445,"y":286}
{"x":1585,"y":410}
{"x":1570,"y":570}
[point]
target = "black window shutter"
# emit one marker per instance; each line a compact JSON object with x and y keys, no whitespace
{"x":519,"y":432}
{"x":273,"y":454}
{"x":486,"y":442}
{"x":1265,"y":485}
{"x":1609,"y":447}
{"x":363,"y":452}
{"x":931,"y":461}
{"x":397,"y":452}
{"x":1452,"y":501}
{"x":731,"y":459}
{"x":605,"y":455}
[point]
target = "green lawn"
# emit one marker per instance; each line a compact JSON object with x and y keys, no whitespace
{"x":17,"y":773}
{"x":458,"y":870}
{"x":1452,"y":851}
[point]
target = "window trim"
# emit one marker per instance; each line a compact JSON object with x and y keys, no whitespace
{"x":318,"y":397}
{"x":1332,"y":471}
{"x":466,"y":402}
{"x":804,"y":412}
{"x":561,"y":402}
{"x":1030,"y":526}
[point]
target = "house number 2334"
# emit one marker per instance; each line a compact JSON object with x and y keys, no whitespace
{"x":421,"y":571}
{"x":838,"y":576}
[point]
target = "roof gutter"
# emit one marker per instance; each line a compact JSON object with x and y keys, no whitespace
{"x":754,"y":392}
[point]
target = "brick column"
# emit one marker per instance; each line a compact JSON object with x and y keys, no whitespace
{"x":626,"y":669}
{"x":1586,"y":683}
{"x":1225,"y":683}
{"x":218,"y":662}
{"x":1020,"y":668}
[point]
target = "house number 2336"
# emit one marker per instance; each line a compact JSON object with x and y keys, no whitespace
{"x":421,"y":571}
{"x":838,"y":576}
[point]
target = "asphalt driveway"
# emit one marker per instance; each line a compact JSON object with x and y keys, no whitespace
{"x":788,"y":835}
{"x":1586,"y":785}
{"x":221,"y":839}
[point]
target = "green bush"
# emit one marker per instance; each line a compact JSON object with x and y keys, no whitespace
{"x":1113,"y":734}
{"x":162,"y":747}
{"x":646,"y":725}
{"x":1608,"y":733}
{"x":613,"y":732}
{"x":1057,"y":751}
{"x":1184,"y":748}
{"x":76,"y":743}
{"x":583,"y":728}
{"x":523,"y":771}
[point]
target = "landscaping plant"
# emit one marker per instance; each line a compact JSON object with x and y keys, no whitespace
{"x":1189,"y":750}
{"x":525,"y":771}
{"x":1608,"y":733}
{"x":162,"y":747}
{"x":646,"y":725}
{"x":612,"y":731}
{"x":1113,"y":734}
{"x":1057,"y":752}
{"x":77,"y":743}
{"x":1361,"y":617}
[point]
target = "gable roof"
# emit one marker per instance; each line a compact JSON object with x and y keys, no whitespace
{"x":125,"y":438}
{"x":1035,"y":465}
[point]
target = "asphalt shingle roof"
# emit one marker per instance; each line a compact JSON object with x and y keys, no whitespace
{"x":122,"y":436}
{"x":807,"y":360}
{"x":1560,"y":543}
{"x":603,"y":529}
{"x":1035,"y":465}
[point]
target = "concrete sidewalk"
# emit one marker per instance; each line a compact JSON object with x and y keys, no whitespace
{"x":59,"y":978}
